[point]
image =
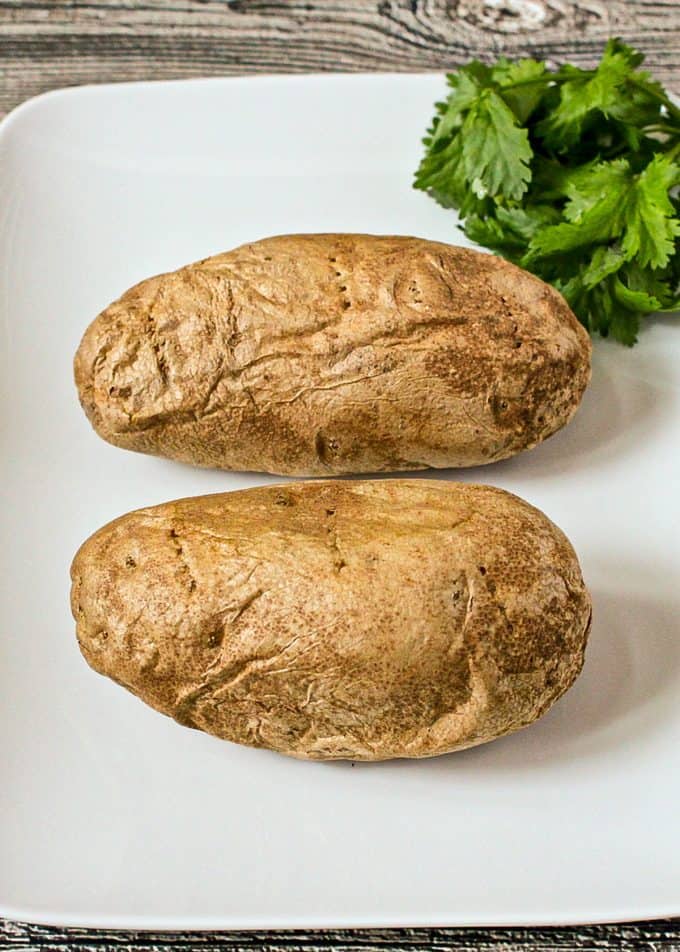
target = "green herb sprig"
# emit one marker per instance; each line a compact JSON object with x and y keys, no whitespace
{"x":570,"y":173}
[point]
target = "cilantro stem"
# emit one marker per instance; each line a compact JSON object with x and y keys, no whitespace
{"x":661,"y":127}
{"x":661,"y":97}
{"x":541,"y":80}
{"x":545,"y":80}
{"x":673,"y":152}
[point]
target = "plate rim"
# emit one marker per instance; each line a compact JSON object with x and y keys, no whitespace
{"x":156,"y":923}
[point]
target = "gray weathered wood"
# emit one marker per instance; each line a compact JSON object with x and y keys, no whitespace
{"x":50,"y":43}
{"x":642,"y":937}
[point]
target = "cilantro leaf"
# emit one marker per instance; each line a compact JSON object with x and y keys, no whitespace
{"x":496,"y":150}
{"x":610,"y":202}
{"x":465,"y":90}
{"x":522,"y":84}
{"x":527,"y":222}
{"x":442,"y":174}
{"x":597,"y":225}
{"x":624,"y":325}
{"x":583,"y":94}
{"x":586,"y":187}
{"x":659,"y":283}
{"x":490,"y":232}
{"x":606,"y":260}
{"x":635,"y":300}
{"x":651,"y":227}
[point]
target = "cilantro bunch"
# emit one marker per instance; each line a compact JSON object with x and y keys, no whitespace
{"x":570,"y":173}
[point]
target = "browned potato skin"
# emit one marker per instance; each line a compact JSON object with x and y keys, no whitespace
{"x":329,"y":354}
{"x":327,"y":620}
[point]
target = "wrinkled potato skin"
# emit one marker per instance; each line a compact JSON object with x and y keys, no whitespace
{"x":327,"y":620}
{"x":330,"y":354}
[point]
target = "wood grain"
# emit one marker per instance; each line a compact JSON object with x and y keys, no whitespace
{"x":641,"y":937}
{"x":49,"y":43}
{"x":46,"y":44}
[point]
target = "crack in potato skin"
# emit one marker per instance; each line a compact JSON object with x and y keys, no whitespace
{"x":400,"y":352}
{"x":363,"y":620}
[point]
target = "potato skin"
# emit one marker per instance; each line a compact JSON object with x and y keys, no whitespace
{"x":330,"y":354}
{"x":338,"y":620}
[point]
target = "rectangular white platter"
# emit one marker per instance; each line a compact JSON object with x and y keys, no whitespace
{"x":111,"y":815}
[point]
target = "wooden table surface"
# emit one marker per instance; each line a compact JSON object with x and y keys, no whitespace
{"x":45,"y":44}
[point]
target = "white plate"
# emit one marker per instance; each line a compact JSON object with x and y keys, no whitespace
{"x":111,"y":815}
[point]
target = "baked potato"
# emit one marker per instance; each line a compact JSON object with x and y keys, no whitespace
{"x":331,"y":354}
{"x":332,"y":619}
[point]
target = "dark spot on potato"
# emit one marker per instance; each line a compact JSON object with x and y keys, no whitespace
{"x":499,"y":406}
{"x":325,"y":447}
{"x":214,"y":635}
{"x":130,"y":562}
{"x":482,"y":570}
